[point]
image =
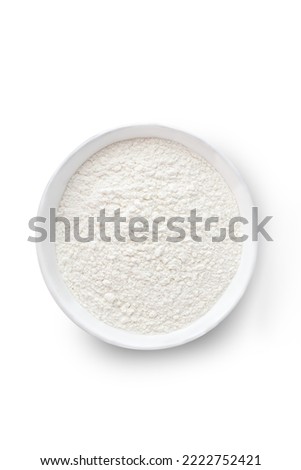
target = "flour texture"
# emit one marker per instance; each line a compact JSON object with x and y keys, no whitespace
{"x":147,"y":287}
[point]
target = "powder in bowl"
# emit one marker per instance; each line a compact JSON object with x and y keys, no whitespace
{"x":147,"y":287}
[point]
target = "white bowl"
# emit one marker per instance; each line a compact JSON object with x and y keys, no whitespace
{"x":68,"y":303}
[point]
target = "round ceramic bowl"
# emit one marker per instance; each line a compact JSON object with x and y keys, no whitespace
{"x":47,"y":256}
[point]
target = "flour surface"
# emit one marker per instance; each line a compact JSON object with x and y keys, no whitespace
{"x":149,"y":287}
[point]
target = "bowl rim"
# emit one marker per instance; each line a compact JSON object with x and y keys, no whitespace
{"x":67,"y":302}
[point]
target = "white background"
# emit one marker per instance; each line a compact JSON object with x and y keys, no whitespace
{"x":228,"y":71}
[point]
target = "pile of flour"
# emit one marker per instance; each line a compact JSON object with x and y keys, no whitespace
{"x":150,"y":287}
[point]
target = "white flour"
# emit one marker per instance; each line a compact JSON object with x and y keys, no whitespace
{"x":149,"y":287}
